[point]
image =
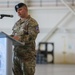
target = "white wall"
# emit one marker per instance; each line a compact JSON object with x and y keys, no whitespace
{"x":63,"y":39}
{"x":6,"y":23}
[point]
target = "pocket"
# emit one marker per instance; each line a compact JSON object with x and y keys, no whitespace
{"x":21,"y":53}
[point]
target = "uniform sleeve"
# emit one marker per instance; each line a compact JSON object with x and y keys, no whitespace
{"x":33,"y":31}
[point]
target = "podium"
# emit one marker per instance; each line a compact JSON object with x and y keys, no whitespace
{"x":6,"y":44}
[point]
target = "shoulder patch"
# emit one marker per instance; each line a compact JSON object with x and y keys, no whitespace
{"x":37,"y":28}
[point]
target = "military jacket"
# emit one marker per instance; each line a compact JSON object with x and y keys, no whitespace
{"x":27,"y":30}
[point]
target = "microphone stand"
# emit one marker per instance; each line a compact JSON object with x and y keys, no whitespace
{"x":3,"y":15}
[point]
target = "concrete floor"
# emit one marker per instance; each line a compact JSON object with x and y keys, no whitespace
{"x":48,"y":69}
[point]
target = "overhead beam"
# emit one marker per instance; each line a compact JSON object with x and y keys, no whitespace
{"x":69,"y":7}
{"x":53,"y":30}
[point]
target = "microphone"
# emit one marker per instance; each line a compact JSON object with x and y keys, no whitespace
{"x":5,"y":15}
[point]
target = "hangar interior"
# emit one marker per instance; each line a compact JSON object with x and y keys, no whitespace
{"x":55,"y":43}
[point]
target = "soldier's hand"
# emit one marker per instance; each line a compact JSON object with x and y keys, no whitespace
{"x":16,"y":38}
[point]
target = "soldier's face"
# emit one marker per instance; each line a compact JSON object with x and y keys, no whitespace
{"x":22,"y":12}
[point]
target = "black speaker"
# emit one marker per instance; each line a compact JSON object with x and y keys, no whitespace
{"x":45,"y":52}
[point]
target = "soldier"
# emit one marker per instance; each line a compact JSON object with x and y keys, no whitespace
{"x":25,"y":30}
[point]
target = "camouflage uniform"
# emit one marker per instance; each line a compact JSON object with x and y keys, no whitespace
{"x":25,"y":56}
